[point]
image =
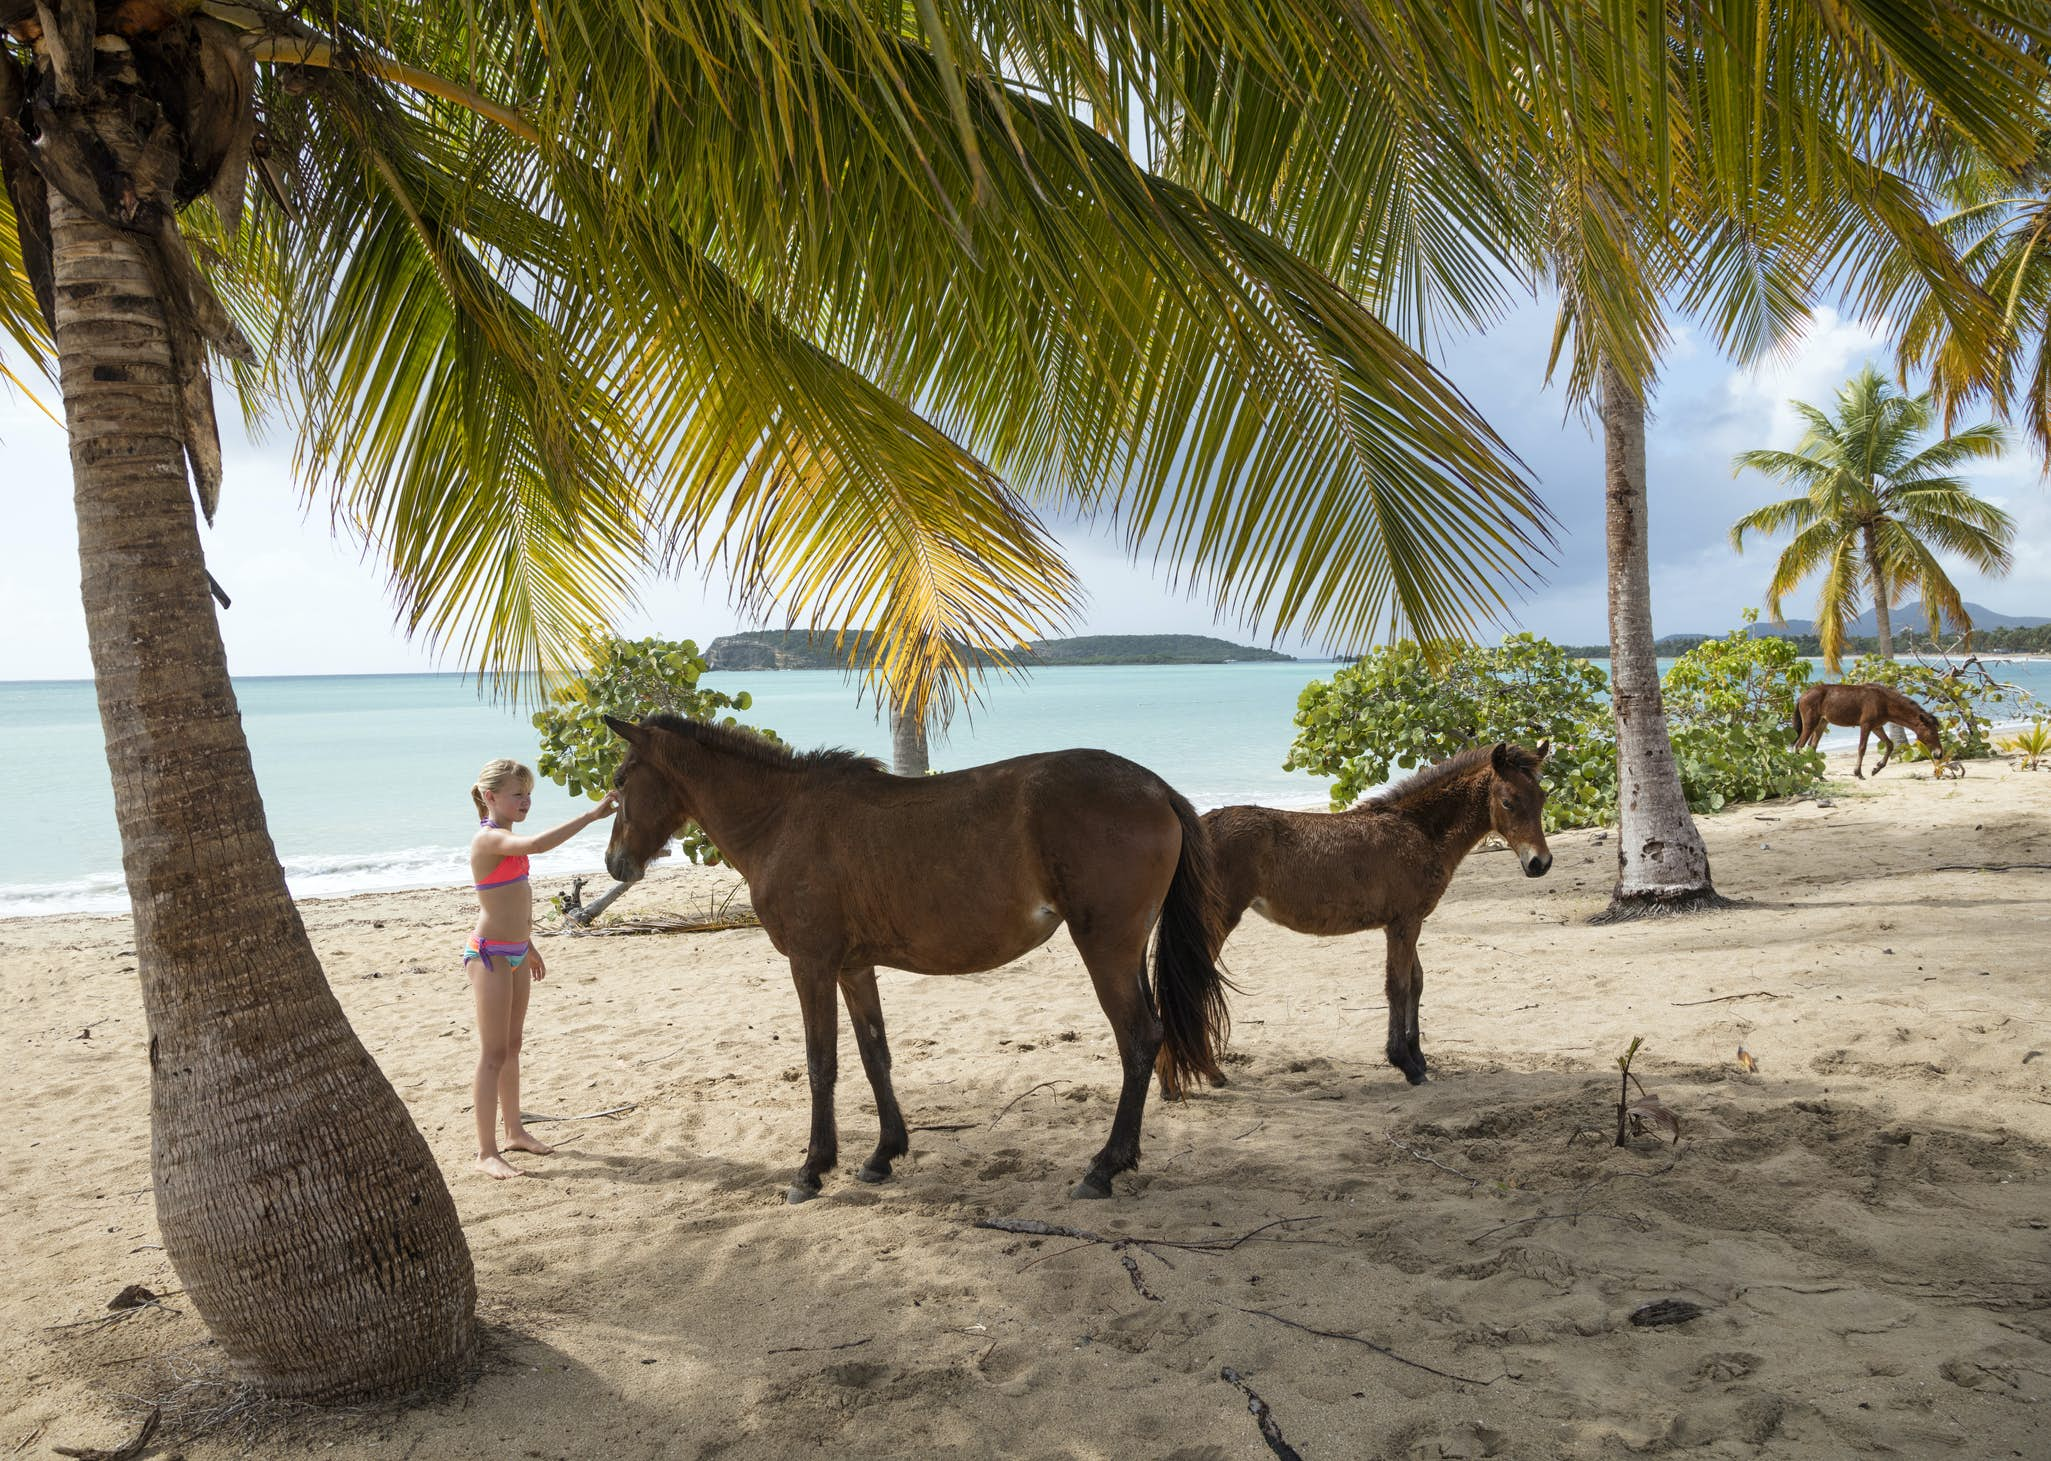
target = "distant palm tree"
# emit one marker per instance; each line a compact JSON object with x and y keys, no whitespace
{"x":1876,"y":511}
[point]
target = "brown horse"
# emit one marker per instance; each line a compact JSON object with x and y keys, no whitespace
{"x":850,"y":867}
{"x":1383,"y":864}
{"x":1870,"y":708}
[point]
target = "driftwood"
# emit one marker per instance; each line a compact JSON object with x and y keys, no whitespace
{"x":1380,"y":1349}
{"x":587,"y":1116}
{"x":126,"y":1452}
{"x":1033,"y":1227}
{"x":1262,"y":1416}
{"x":1727,"y":998}
{"x":1042,"y":1086}
{"x":821,"y":1348}
{"x":719,"y":914}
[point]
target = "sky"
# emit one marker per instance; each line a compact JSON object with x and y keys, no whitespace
{"x":307,"y":601}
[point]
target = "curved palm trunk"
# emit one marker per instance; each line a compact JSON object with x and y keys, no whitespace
{"x":302,"y":1210}
{"x":1882,"y":625}
{"x":1662,"y":865}
{"x":907,"y":743}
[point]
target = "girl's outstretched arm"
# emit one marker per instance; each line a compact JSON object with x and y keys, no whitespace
{"x":498,"y":841}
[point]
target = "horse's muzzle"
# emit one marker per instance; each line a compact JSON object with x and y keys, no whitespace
{"x":1537,"y":864}
{"x":623,"y":868}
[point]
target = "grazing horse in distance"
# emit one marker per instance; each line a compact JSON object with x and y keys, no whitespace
{"x":1870,"y":708}
{"x":1384,"y":863}
{"x":850,"y":867}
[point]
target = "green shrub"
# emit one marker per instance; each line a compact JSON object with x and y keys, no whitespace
{"x":1730,"y":708}
{"x":1393,"y":711}
{"x":1730,"y":704}
{"x":628,"y":679}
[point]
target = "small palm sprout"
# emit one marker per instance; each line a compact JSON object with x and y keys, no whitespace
{"x":2032,"y":744}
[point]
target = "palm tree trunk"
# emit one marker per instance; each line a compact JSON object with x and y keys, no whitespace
{"x":304,"y":1213}
{"x":1662,"y":865}
{"x":1881,"y":594}
{"x":907,"y":742}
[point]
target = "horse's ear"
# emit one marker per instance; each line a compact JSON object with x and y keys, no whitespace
{"x":1500,"y":758}
{"x":1544,"y":749}
{"x":626,"y":730}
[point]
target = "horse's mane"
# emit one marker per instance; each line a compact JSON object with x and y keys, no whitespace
{"x":749,"y":746}
{"x":1453,"y":768}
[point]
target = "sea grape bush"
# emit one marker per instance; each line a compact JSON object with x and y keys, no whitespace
{"x":1730,"y":705}
{"x":1395,"y":710}
{"x":1730,"y":708}
{"x":628,"y":679}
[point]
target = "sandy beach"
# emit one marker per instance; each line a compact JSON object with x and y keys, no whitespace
{"x":1865,"y":1219}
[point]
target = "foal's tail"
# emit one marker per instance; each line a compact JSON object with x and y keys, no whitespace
{"x":1188,"y":988}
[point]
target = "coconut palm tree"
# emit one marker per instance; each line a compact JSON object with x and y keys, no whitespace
{"x":1998,"y":217}
{"x":1762,"y":176}
{"x":1876,"y":510}
{"x":553,"y":303}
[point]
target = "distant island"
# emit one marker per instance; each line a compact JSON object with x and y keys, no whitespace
{"x":797,"y":649}
{"x":1993,"y":633}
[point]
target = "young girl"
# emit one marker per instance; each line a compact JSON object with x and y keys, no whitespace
{"x":500,"y":958}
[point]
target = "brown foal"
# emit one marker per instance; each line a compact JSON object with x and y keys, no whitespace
{"x":1870,"y":708}
{"x":1382,"y":864}
{"x":850,"y":867}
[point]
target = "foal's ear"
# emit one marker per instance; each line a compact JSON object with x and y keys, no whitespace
{"x":1544,"y":749}
{"x":1500,"y":758}
{"x":626,"y":730}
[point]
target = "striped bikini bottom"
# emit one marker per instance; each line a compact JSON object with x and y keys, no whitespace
{"x":487,"y":949}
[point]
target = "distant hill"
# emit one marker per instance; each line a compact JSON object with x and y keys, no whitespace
{"x":796,"y":649}
{"x":1673,"y":646}
{"x":1149,"y":649}
{"x":1909,"y":615}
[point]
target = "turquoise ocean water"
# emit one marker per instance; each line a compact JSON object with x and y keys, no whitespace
{"x":366,"y":779}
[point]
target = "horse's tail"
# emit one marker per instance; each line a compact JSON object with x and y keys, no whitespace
{"x":1801,"y":719}
{"x":1189,"y":990}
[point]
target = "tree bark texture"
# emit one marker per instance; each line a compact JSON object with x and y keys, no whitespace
{"x":907,"y":743}
{"x":303,"y":1211}
{"x":1882,"y":624}
{"x":1662,"y":865}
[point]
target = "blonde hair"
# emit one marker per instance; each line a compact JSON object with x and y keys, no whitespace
{"x":495,"y":776}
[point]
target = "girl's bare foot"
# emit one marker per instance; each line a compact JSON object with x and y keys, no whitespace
{"x":526,"y":1141}
{"x":497,"y":1166}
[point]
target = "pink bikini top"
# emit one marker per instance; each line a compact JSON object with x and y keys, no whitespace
{"x":510,"y":869}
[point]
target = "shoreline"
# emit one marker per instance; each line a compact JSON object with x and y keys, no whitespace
{"x":562,"y":874}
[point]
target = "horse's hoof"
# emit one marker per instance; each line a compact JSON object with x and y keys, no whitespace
{"x":873,"y":1174}
{"x":1218,"y":1080}
{"x":799,"y":1192}
{"x":1090,"y":1188}
{"x":1416,"y":1077}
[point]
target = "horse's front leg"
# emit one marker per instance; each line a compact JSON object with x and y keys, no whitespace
{"x":1886,"y":749}
{"x":865,"y":1008}
{"x":815,"y":980}
{"x":1402,"y":975}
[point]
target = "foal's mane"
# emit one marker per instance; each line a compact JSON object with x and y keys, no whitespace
{"x":759,"y":750}
{"x":1439,"y":774}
